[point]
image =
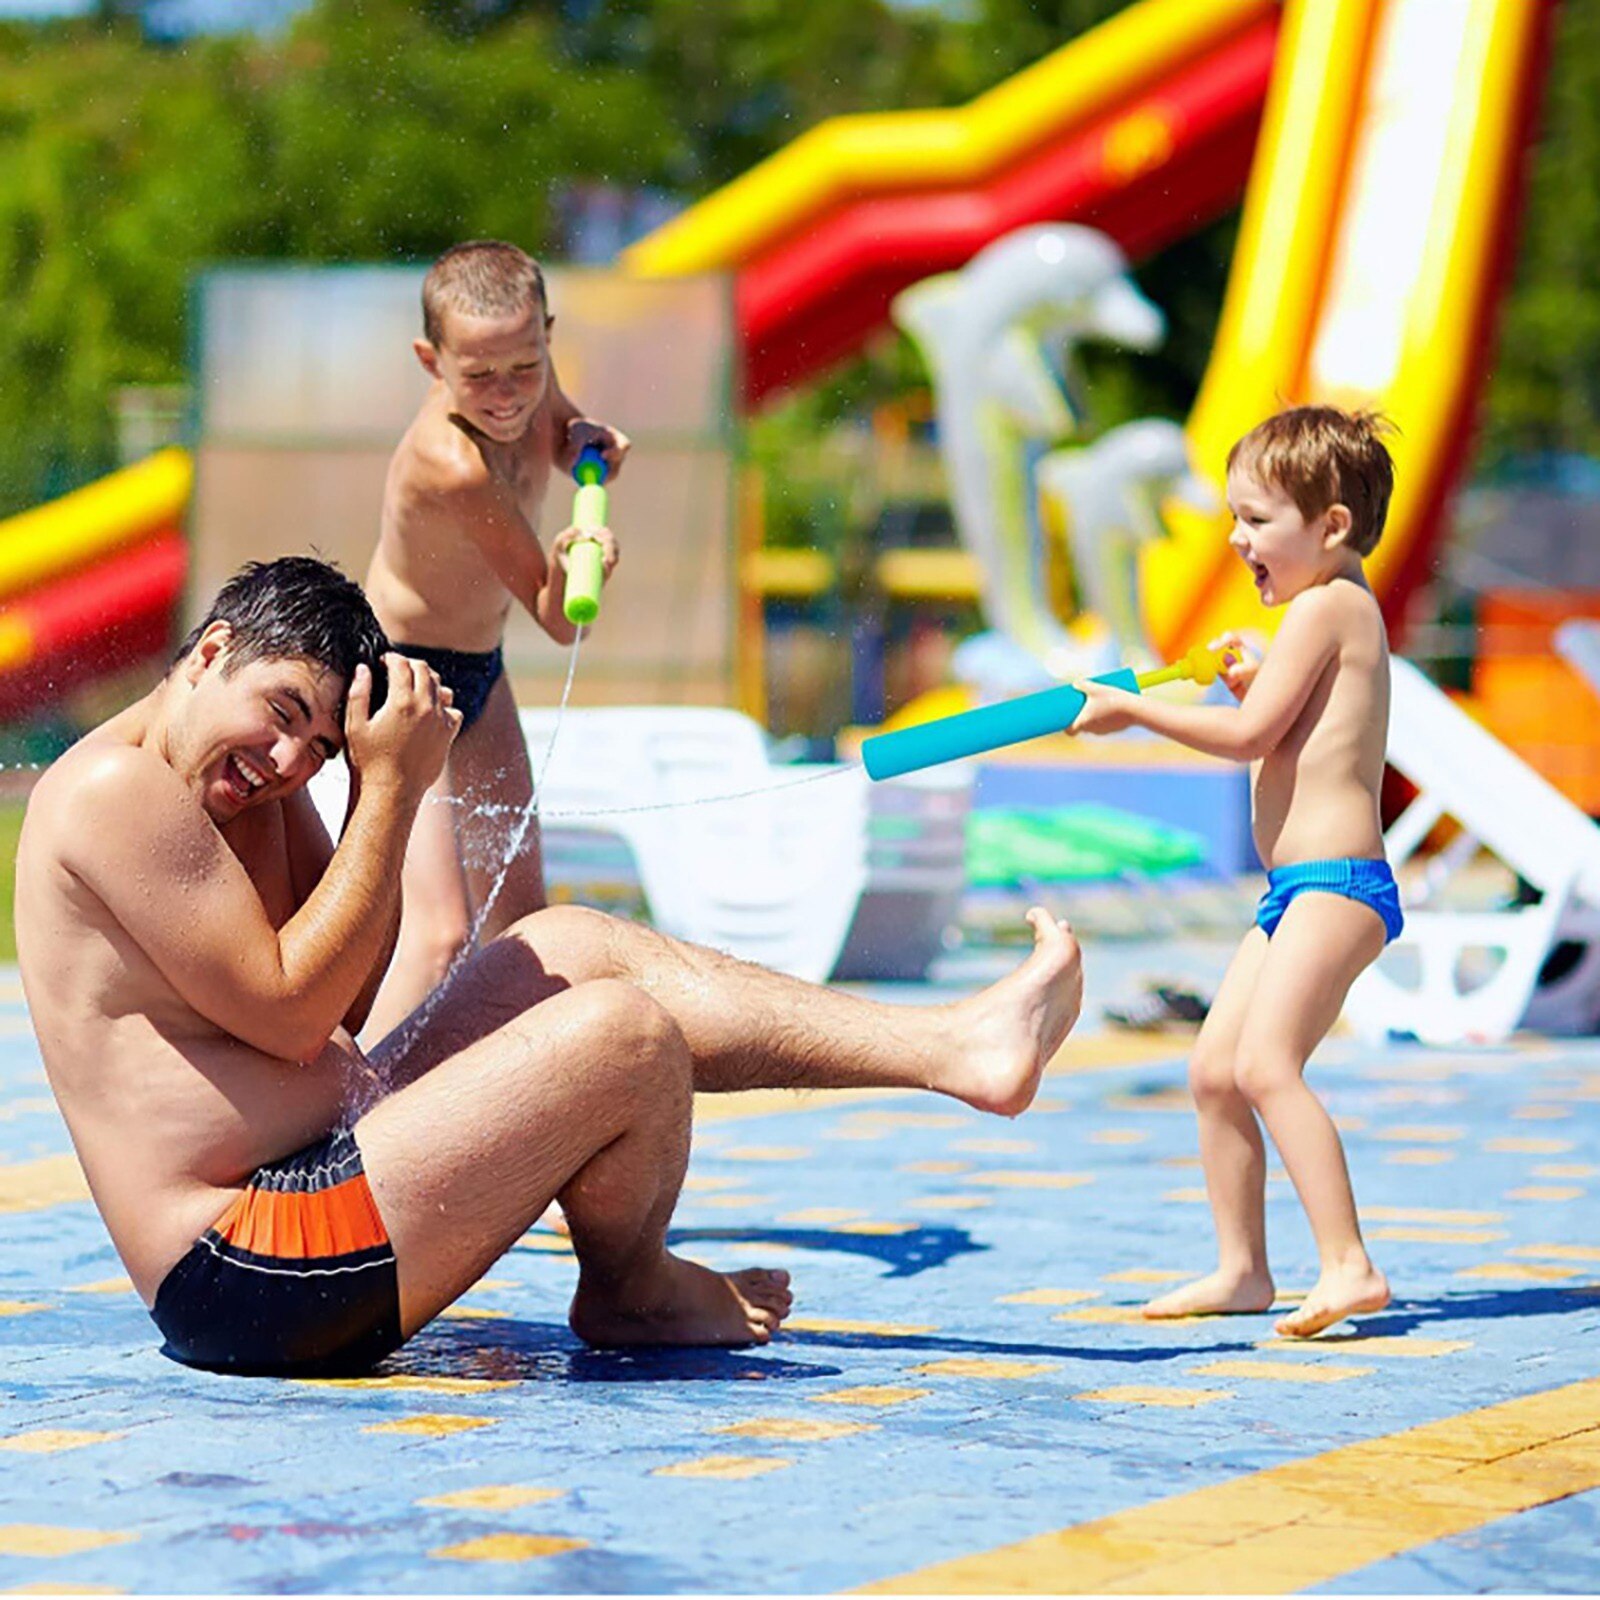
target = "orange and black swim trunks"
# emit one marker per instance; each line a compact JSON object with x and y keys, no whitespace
{"x":297,"y":1276}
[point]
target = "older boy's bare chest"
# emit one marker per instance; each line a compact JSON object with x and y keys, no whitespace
{"x":524,"y":468}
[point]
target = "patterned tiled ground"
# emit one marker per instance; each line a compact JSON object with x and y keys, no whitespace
{"x":966,"y":1370}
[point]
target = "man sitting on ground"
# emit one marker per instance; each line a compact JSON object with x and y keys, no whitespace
{"x":197,"y":956}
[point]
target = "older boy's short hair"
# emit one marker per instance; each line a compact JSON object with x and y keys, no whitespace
{"x":1321,"y":456}
{"x":484,"y":278}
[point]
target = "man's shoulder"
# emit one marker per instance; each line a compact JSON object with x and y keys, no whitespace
{"x":106,"y":789}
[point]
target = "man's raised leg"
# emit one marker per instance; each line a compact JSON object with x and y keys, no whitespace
{"x":588,"y":1101}
{"x":750,"y":1028}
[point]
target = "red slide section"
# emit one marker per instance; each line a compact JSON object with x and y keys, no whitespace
{"x":1152,"y":172}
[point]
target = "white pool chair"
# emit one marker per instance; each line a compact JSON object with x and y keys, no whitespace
{"x":1461,"y":771}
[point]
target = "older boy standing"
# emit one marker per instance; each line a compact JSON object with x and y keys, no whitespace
{"x":459,"y":544}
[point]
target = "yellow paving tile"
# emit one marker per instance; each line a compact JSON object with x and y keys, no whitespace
{"x":1297,"y":1526}
{"x":766,"y":1152}
{"x":35,"y":1106}
{"x":1346,"y":1124}
{"x":1549,"y":1192}
{"x":909,"y":1119}
{"x":102,"y":1286}
{"x":1449,"y":1219}
{"x":492,"y":1497}
{"x":936,"y":1168}
{"x":817,"y":1215}
{"x":1048,"y":1297}
{"x":1528,"y":1147}
{"x":418,"y":1383}
{"x":461,"y":1312}
{"x":430,"y":1425}
{"x":731,"y":1202}
{"x":38,"y":1539}
{"x":1186,"y":1197}
{"x":723,"y":1467}
{"x":705,"y":1183}
{"x":1118,"y":1136}
{"x":950,"y":1202}
{"x":1030,"y":1180}
{"x":1128,"y":1315}
{"x":1515,"y":1269}
{"x":38,"y":1185}
{"x":21,"y":1308}
{"x":547,"y":1244}
{"x":883,"y":1330}
{"x":49,"y":1441}
{"x":995,"y":1147}
{"x":875,"y":1229}
{"x":870,"y":1395}
{"x":981,"y":1367}
{"x":799,"y":1430}
{"x":1419,"y":1158}
{"x":1162,"y":1100}
{"x":1403,"y":1346}
{"x":1541,"y":1113}
{"x":1566,"y":1169}
{"x":63,"y":1588}
{"x":1402,"y":1235}
{"x":1423,"y":1133}
{"x":1091,"y":1052}
{"x":508,"y":1547}
{"x":1558,"y":1252}
{"x":1280,"y":1371}
{"x":1140,"y":1394}
{"x":1144,"y":1275}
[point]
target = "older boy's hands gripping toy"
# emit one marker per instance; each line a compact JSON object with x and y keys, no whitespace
{"x":888,"y":755}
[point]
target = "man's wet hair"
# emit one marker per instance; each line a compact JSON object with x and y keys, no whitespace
{"x":297,"y":608}
{"x":483,"y":278}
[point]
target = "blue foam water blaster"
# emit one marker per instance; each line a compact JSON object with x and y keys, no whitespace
{"x":1029,"y":716}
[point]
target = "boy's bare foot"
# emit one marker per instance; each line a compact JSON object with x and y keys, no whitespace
{"x":1337,"y":1294}
{"x":677,"y":1302}
{"x":1002,"y":1039}
{"x":1217,"y":1293}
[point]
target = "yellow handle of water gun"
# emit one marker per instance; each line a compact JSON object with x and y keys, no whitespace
{"x":1200,"y":664}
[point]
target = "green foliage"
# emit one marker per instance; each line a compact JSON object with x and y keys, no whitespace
{"x":387,"y":129}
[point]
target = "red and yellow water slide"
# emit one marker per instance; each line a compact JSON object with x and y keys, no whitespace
{"x":89,"y":583}
{"x":1375,"y":235}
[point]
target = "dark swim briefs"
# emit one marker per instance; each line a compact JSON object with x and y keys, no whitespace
{"x":297,"y":1277}
{"x":468,"y":674}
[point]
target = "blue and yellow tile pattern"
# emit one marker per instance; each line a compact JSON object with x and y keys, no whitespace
{"x":966,"y":1398}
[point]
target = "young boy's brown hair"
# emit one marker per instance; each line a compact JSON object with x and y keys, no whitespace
{"x":1321,"y":456}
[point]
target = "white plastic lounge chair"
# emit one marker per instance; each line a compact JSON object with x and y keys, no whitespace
{"x":1463,"y":772}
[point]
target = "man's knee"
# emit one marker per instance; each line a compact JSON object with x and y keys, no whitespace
{"x":576,"y":941}
{"x":625,"y":1029}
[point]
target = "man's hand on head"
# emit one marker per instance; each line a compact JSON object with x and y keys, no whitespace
{"x":403,"y":745}
{"x":583,"y":432}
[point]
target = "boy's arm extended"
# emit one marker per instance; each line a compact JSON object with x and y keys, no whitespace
{"x":1305,"y":644}
{"x":145,"y":848}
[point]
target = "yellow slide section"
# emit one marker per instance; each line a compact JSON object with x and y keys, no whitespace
{"x":79,"y":528}
{"x":1364,"y":262}
{"x":886,"y":152}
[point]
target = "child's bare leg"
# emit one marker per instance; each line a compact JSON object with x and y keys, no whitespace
{"x":435,"y":916}
{"x":491,"y":770}
{"x":1318,"y":950}
{"x":1232,"y":1153}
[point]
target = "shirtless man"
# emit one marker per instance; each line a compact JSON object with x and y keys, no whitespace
{"x":196,"y":956}
{"x":459,"y":545}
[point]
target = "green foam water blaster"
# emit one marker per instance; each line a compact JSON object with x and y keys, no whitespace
{"x":585,"y":568}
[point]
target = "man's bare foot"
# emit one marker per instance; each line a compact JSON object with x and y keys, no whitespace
{"x":1002,"y":1039}
{"x":1343,"y":1292}
{"x":677,"y":1302}
{"x":1218,"y":1293}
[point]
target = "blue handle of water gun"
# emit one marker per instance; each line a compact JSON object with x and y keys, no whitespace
{"x":889,"y":755}
{"x":590,"y":467}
